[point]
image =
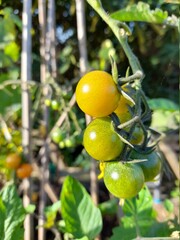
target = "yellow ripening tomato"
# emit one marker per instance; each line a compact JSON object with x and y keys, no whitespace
{"x":122,"y":110}
{"x":97,"y":94}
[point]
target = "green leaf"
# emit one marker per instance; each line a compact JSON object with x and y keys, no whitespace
{"x":165,"y":114}
{"x":13,"y":214}
{"x":123,"y":233}
{"x":82,"y":218}
{"x":159,"y":229}
{"x":168,"y":205}
{"x":163,"y":104}
{"x":2,"y":218}
{"x":109,"y":207}
{"x":142,"y":205}
{"x":164,"y":120}
{"x":12,"y":50}
{"x":141,"y":12}
{"x":55,"y":207}
{"x":50,"y":213}
{"x":140,"y":214}
{"x":138,"y":211}
{"x":10,"y":98}
{"x":7,"y":30}
{"x":30,"y":208}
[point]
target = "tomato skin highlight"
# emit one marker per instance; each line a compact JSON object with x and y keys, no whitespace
{"x":101,"y":141}
{"x":97,"y":94}
{"x":123,"y":180}
{"x":13,"y":161}
{"x":24,"y":171}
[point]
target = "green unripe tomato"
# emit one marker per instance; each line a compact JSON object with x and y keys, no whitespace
{"x":69,"y":142}
{"x":123,"y":180}
{"x":97,"y":94}
{"x":152,"y":167}
{"x":61,"y":144}
{"x":101,"y":141}
{"x":57,"y":135}
{"x":54,"y":105}
{"x":47,"y":102}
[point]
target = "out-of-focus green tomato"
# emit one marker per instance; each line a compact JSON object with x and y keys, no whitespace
{"x":54,"y":105}
{"x":57,"y":135}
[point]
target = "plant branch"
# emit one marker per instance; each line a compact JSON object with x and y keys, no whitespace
{"x":120,"y":34}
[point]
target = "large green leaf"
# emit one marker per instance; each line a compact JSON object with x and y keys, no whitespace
{"x":109,"y":207}
{"x":163,"y":104}
{"x":165,"y":114}
{"x":141,"y":204}
{"x":2,"y":217}
{"x":12,"y":214}
{"x":81,"y":216}
{"x":142,"y":12}
{"x":140,"y":219}
{"x":12,"y":50}
{"x":138,"y":212}
{"x":123,"y":233}
{"x":165,"y":120}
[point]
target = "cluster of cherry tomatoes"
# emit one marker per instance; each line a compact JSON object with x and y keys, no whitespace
{"x":98,"y":95}
{"x":14,"y":162}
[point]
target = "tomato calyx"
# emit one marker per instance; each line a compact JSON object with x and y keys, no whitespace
{"x":114,"y":70}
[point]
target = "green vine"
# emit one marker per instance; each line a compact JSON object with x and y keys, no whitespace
{"x":121,"y":32}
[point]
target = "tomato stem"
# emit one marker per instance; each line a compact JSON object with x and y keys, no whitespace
{"x":145,"y":141}
{"x":130,"y":122}
{"x":136,"y":76}
{"x":147,"y":111}
{"x":121,"y":31}
{"x":114,"y":69}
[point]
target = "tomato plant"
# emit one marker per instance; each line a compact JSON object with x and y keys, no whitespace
{"x":24,"y":171}
{"x":101,"y":141}
{"x":122,"y":179}
{"x":97,"y":94}
{"x":13,"y":161}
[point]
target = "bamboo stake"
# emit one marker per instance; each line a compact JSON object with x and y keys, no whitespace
{"x":26,"y":106}
{"x":81,"y":34}
{"x":83,"y":61}
{"x":171,"y":158}
{"x":44,"y":158}
{"x":51,"y":21}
